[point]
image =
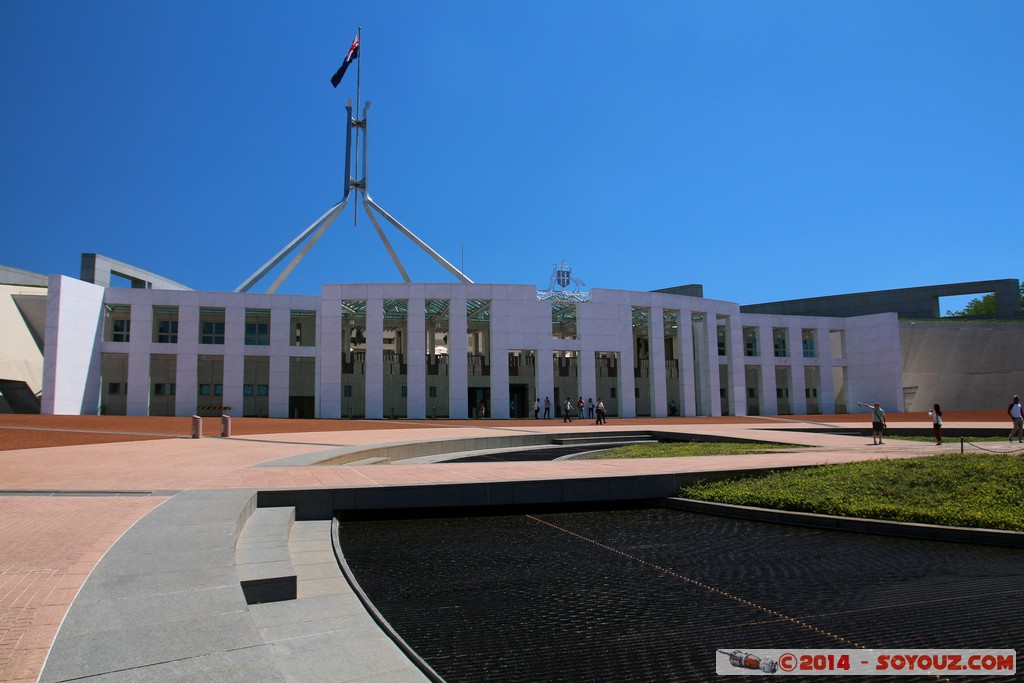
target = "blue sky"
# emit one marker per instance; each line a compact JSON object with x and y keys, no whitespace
{"x":767,"y":150}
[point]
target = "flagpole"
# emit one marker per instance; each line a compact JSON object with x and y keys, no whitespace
{"x":359,"y":67}
{"x":359,"y":73}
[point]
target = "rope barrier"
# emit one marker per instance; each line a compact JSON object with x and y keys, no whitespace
{"x":1018,"y":451}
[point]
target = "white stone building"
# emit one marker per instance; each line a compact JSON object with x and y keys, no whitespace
{"x":418,"y":350}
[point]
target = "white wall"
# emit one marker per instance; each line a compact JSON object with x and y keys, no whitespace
{"x":518,"y":321}
{"x":71,"y":363}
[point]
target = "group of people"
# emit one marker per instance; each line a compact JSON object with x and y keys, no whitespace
{"x":1015,"y":410}
{"x":582,"y":410}
{"x":878,"y":422}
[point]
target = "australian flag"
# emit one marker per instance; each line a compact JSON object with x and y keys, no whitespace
{"x":353,"y":53}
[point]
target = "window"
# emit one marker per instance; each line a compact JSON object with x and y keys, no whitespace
{"x":165,"y":324}
{"x":563,"y":320}
{"x":750,"y":341}
{"x":257,"y":328}
{"x":262,"y":389}
{"x":809,"y":339}
{"x":721,"y":340}
{"x":247,"y":390}
{"x":114,"y":388}
{"x":211,"y":325}
{"x":218,"y":389}
{"x":212,"y":333}
{"x":118,"y":323}
{"x":204,"y":389}
{"x":121,"y":330}
{"x":779,"y":340}
{"x":167,"y":331}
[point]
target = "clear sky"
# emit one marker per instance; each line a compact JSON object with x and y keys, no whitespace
{"x":767,"y":150}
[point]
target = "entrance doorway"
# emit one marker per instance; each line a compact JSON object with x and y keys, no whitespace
{"x":518,"y":397}
{"x":479,"y":397}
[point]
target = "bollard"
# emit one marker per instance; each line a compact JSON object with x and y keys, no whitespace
{"x":197,"y":427}
{"x":225,"y":426}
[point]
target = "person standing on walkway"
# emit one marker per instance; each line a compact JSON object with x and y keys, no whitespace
{"x":936,"y":413}
{"x":567,"y":411}
{"x":1018,"y":420}
{"x":536,"y":409}
{"x":580,"y":408}
{"x":600,"y":411}
{"x":547,"y":408}
{"x":877,"y":422}
{"x":590,"y":407}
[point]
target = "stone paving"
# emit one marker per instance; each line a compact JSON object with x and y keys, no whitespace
{"x":63,"y":507}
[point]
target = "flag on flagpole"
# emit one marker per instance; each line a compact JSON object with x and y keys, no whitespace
{"x":353,"y":53}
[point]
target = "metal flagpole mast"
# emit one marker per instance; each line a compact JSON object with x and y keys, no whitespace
{"x":359,"y":75}
{"x":355,"y":180}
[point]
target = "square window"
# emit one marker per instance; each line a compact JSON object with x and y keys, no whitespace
{"x":247,"y":390}
{"x":218,"y":389}
{"x":212,"y":333}
{"x":262,"y":390}
{"x":167,"y":332}
{"x":114,"y":388}
{"x":204,"y":389}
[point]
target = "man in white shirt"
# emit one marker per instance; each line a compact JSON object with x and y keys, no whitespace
{"x":1018,"y":420}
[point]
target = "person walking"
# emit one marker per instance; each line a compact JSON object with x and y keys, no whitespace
{"x":600,"y":411}
{"x":877,"y":422}
{"x":1018,"y":420}
{"x":536,"y":409}
{"x":936,"y":413}
{"x":547,"y":408}
{"x":567,"y":411}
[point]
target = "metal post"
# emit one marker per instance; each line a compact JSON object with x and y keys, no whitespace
{"x":197,"y":427}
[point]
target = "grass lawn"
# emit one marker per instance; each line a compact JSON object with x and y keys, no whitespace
{"x":975,"y":490}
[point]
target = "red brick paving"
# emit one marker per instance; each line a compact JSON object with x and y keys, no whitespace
{"x":49,"y":544}
{"x":39,"y":431}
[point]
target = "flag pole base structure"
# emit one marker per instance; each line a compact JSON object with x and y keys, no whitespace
{"x":309,"y":237}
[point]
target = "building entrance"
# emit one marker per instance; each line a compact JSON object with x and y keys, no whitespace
{"x":479,"y":400}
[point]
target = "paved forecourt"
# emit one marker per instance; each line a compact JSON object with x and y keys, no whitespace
{"x":146,"y":541}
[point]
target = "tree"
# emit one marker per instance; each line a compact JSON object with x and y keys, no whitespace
{"x":983,"y":307}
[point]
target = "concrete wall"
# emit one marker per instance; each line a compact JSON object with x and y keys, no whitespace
{"x":961,"y":365}
{"x":71,"y":358}
{"x":911,"y":302}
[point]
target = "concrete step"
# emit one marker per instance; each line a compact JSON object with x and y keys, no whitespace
{"x":263,"y":556}
{"x":616,"y":439}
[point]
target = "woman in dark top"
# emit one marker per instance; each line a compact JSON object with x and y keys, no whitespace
{"x":936,"y":414}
